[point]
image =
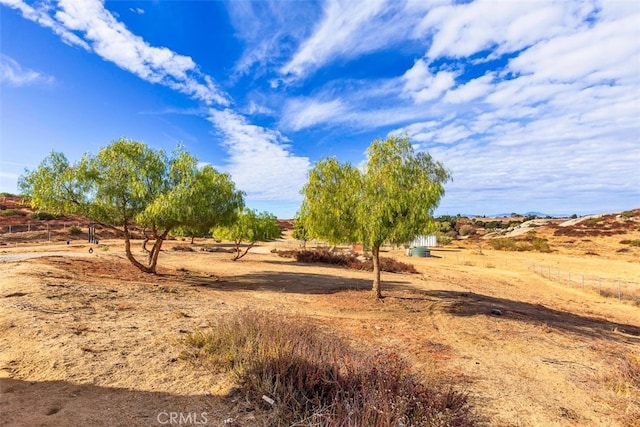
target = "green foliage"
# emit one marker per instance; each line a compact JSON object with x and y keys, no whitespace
{"x":251,"y":227}
{"x":12,"y":212}
{"x":627,"y":214}
{"x":442,"y":238}
{"x":5,"y":194}
{"x":42,"y":216}
{"x":299,"y":230}
{"x":128,"y":184}
{"x":391,"y":201}
{"x":317,"y":379}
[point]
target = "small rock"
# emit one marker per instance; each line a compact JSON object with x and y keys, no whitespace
{"x":203,"y":325}
{"x":496,"y":312}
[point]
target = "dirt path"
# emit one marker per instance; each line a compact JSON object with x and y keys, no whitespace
{"x":94,"y":342}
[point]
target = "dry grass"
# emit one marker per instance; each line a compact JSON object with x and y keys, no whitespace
{"x":317,"y":379}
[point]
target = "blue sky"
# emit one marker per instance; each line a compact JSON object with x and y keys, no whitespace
{"x":533,"y":105}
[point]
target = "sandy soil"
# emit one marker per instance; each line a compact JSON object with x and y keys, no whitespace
{"x":91,"y":341}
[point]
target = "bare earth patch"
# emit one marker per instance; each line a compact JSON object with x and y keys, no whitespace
{"x":92,"y":341}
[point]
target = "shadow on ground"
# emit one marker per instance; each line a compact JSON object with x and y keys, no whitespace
{"x":289,"y":282}
{"x":472,"y":304}
{"x":60,"y":403}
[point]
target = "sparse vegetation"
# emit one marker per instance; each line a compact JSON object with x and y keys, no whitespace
{"x":629,"y":242}
{"x":316,"y":379}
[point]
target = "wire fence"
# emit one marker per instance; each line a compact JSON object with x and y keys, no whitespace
{"x":22,"y":228}
{"x":605,"y":286}
{"x":625,"y":286}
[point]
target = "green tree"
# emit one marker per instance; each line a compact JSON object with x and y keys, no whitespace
{"x":300,"y":231}
{"x":391,"y":201}
{"x":128,"y":185}
{"x":251,"y":227}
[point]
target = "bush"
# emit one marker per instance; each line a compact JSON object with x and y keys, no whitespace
{"x":442,"y":238}
{"x":43,"y":216}
{"x":627,"y":214}
{"x":325,"y":257}
{"x":529,"y":243}
{"x":630,"y":242}
{"x":75,"y":230}
{"x":503,"y":244}
{"x":467,"y":230}
{"x":317,"y":379}
{"x":12,"y":212}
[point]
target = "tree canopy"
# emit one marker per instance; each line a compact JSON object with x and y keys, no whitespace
{"x":251,"y":227}
{"x":127,"y":185}
{"x":391,"y":201}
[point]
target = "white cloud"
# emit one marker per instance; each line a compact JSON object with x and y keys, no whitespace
{"x":13,"y":74}
{"x":42,"y":17}
{"x":421,"y":85}
{"x":268,"y":30}
{"x":337,"y":33}
{"x":461,"y":30}
{"x":260,"y":161}
{"x":110,"y":39}
{"x":303,"y":113}
{"x":137,"y":10}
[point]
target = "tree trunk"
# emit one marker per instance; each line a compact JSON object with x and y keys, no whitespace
{"x":130,"y":257}
{"x":375,"y":291}
{"x":155,"y":251}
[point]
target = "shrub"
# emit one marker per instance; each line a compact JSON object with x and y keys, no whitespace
{"x":317,"y":379}
{"x":75,"y":230}
{"x":43,"y":216}
{"x":540,"y":244}
{"x":630,"y":242}
{"x":442,"y":238}
{"x":627,"y":214}
{"x":325,"y":257}
{"x":12,"y":212}
{"x":386,"y":264}
{"x":183,"y":248}
{"x":530,"y":243}
{"x":503,"y":244}
{"x":467,"y":230}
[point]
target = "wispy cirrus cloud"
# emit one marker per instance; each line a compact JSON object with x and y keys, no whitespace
{"x":89,"y":25}
{"x":13,"y":74}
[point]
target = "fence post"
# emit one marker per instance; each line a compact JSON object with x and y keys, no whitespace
{"x":619,"y":294}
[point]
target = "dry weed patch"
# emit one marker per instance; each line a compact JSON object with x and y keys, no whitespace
{"x":347,"y":260}
{"x":316,"y":379}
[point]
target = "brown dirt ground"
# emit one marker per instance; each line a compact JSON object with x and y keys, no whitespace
{"x":91,"y":341}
